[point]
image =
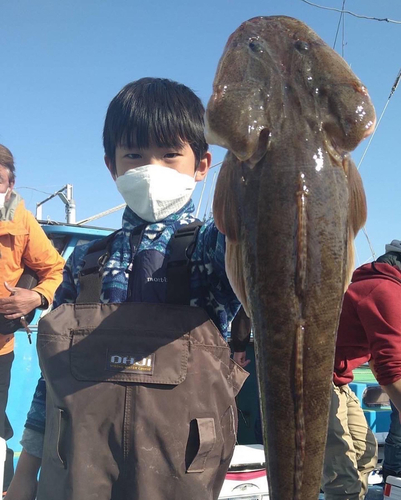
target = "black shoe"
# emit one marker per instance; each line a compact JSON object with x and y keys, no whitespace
{"x":388,"y":472}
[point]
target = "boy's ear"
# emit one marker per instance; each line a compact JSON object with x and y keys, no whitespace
{"x":203,"y":167}
{"x":110,"y":166}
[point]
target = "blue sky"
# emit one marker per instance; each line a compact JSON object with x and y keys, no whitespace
{"x":63,"y":61}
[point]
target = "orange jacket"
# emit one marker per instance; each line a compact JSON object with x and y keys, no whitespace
{"x":23,"y":242}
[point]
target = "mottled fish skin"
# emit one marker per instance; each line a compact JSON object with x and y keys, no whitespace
{"x":290,"y":201}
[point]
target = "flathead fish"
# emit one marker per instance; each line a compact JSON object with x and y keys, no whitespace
{"x":290,"y":201}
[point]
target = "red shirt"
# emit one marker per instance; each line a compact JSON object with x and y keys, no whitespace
{"x":370,"y":324}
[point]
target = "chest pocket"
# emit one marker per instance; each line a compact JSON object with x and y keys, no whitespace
{"x":12,"y":247}
{"x":150,"y":357}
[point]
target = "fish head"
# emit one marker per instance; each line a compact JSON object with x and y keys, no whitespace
{"x":275,"y":71}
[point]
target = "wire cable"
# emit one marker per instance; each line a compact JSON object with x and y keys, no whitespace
{"x":386,"y":19}
{"x":338,"y":25}
{"x":393,"y":89}
{"x":369,"y":243}
{"x":34,"y":189}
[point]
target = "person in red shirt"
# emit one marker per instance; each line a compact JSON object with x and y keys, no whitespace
{"x":369,"y":331}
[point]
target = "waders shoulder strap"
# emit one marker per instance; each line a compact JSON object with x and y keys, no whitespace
{"x":90,"y":276}
{"x":182,"y":246}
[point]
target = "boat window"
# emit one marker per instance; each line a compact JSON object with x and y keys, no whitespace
{"x":82,"y":242}
{"x":59,"y":241}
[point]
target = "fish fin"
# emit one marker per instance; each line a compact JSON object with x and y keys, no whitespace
{"x":357,"y":210}
{"x":235,"y":273}
{"x":357,"y":198}
{"x":225,"y":212}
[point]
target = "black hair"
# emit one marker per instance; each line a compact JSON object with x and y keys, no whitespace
{"x":158,"y":111}
{"x":391,"y":258}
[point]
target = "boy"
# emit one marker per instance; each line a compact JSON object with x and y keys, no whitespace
{"x":149,"y":411}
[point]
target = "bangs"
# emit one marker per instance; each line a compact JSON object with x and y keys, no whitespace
{"x":154,"y":111}
{"x":141,"y":128}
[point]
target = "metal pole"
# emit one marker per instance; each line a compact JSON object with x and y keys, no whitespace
{"x":66,"y":196}
{"x":101,"y":214}
{"x":39,"y":211}
{"x":70,"y":208}
{"x":201,"y":196}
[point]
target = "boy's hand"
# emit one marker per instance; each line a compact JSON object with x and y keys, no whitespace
{"x":22,"y":490}
{"x":240,"y":358}
{"x":20,"y":302}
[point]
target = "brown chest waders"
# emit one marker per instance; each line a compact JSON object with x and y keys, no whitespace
{"x":140,"y":401}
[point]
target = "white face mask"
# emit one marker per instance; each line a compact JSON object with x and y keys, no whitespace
{"x":3,"y":198}
{"x":154,"y":192}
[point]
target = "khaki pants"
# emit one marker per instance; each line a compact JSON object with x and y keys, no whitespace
{"x":351,"y":451}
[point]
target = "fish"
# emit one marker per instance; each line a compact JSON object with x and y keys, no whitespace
{"x":290,"y":200}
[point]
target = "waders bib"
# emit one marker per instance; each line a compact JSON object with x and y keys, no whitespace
{"x":140,"y":398}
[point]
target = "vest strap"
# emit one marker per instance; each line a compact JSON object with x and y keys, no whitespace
{"x":182,"y":246}
{"x":90,"y":276}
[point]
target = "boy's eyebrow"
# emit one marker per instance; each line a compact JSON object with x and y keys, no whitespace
{"x":125,"y":146}
{"x":167,"y":146}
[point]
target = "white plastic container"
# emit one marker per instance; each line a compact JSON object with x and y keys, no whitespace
{"x":246,"y":478}
{"x":392,"y":488}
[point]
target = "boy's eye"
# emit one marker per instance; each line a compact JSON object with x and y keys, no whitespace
{"x":171,"y":155}
{"x":133,"y":156}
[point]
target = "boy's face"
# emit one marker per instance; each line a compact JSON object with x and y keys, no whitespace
{"x":5,"y":182}
{"x":181,"y":160}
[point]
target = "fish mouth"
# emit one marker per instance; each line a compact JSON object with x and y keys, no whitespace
{"x":259,"y":153}
{"x":236,"y":119}
{"x":247,"y":143}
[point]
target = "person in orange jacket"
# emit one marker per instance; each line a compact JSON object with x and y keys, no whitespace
{"x":22,"y":243}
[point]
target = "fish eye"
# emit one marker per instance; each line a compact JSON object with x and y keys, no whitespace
{"x":301,"y":46}
{"x":255,"y":46}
